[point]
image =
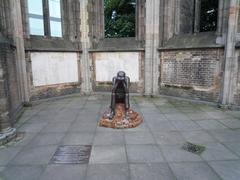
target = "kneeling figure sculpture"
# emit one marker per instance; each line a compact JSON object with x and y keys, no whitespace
{"x":119,"y":115}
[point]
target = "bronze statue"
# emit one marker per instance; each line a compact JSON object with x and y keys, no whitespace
{"x":119,"y":115}
{"x":120,"y":93}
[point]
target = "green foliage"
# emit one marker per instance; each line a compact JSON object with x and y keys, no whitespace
{"x":119,"y":18}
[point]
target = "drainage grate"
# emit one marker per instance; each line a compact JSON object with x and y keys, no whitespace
{"x":72,"y":155}
{"x":193,"y":148}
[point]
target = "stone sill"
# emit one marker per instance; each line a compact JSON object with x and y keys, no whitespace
{"x":116,"y":50}
{"x":188,"y":48}
{"x":51,"y":45}
{"x":128,"y":44}
{"x":192,"y":41}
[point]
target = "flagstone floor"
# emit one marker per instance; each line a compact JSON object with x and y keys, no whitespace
{"x":152,"y":151}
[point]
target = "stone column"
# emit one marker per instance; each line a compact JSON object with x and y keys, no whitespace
{"x":197,"y":16}
{"x":229,"y":80}
{"x":220,"y":17}
{"x":151,"y":48}
{"x":17,"y":33}
{"x":86,"y":86}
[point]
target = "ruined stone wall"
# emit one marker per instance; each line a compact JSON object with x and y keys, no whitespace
{"x":53,"y":74}
{"x":191,"y":73}
{"x":47,"y":75}
{"x":237,"y":89}
{"x":5,"y":26}
{"x":15,"y":101}
{"x":10,"y":102}
{"x":107,"y":64}
{"x":4,"y":90}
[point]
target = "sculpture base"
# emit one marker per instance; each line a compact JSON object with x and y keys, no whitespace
{"x":119,"y":121}
{"x":7,"y":135}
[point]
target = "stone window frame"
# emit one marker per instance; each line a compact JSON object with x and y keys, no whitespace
{"x":97,"y":24}
{"x":46,"y":20}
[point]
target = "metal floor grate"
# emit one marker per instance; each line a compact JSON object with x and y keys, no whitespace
{"x":72,"y":155}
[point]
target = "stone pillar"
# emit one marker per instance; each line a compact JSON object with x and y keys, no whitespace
{"x":17,"y":33}
{"x":230,"y":57}
{"x":177,"y":18}
{"x":151,"y":48}
{"x":86,"y":86}
{"x":6,"y":131}
{"x":220,"y":17}
{"x":197,"y":16}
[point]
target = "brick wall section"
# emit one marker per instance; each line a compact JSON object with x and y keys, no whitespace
{"x":191,"y":73}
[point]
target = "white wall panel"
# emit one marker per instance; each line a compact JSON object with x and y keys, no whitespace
{"x":108,"y":64}
{"x":54,"y":68}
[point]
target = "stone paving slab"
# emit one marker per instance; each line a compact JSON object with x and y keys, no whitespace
{"x":22,"y":172}
{"x":193,"y":171}
{"x":78,"y":139}
{"x":233,"y":146}
{"x":113,"y":154}
{"x":34,"y":156}
{"x":216,"y":151}
{"x":46,"y":139}
{"x":108,"y":172}
{"x":151,"y":151}
{"x":109,"y":138}
{"x":198,"y":137}
{"x":64,"y":172}
{"x":168,"y":138}
{"x":7,"y":154}
{"x":139,"y":138}
{"x":211,"y":124}
{"x":153,"y":171}
{"x":228,"y":170}
{"x":144,"y":154}
{"x":175,"y":153}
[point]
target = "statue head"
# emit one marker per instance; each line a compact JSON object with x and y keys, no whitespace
{"x":121,"y":75}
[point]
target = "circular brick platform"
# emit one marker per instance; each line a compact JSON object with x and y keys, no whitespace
{"x":119,"y":121}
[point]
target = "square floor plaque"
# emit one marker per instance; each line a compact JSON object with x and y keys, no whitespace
{"x":72,"y":155}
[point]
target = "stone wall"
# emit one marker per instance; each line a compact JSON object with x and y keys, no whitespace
{"x":15,"y":102}
{"x":4,"y":88}
{"x":237,"y":89}
{"x":191,"y":73}
{"x":107,"y":64}
{"x":53,"y":74}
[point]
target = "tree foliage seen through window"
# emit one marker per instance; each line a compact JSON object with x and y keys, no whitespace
{"x":208,"y":16}
{"x":119,"y":18}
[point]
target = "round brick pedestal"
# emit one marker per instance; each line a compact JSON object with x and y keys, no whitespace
{"x":119,"y":121}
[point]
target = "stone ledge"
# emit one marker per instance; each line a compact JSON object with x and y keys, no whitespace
{"x":117,"y":50}
{"x":192,"y":41}
{"x":51,"y":45}
{"x":118,"y":45}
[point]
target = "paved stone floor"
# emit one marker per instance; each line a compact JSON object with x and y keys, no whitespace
{"x":149,"y":152}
